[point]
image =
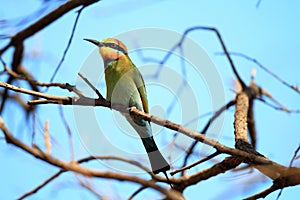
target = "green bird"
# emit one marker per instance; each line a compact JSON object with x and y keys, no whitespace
{"x":125,"y":86}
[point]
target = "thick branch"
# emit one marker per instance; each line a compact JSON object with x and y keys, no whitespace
{"x":240,"y":118}
{"x":274,"y":170}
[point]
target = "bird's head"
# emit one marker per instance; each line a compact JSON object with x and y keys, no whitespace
{"x":110,"y":48}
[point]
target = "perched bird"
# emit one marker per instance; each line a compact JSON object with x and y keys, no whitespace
{"x":125,"y":86}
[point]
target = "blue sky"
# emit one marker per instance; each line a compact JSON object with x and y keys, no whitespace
{"x":269,"y":34}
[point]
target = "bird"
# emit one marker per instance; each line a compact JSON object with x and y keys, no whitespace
{"x":125,"y":86}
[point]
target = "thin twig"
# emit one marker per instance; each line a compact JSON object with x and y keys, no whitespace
{"x":66,"y":86}
{"x":278,"y":108}
{"x":187,"y":31}
{"x":41,"y":185}
{"x":137,"y":192}
{"x":34,"y":93}
{"x":223,"y":47}
{"x":295,"y":156}
{"x":258,"y":3}
{"x":91,"y":86}
{"x":47,"y":137}
{"x":89,"y":187}
{"x":264,"y":193}
{"x":68,"y":45}
{"x":196,"y":163}
{"x":279,"y":194}
{"x":296,"y":89}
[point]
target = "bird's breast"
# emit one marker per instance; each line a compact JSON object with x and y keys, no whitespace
{"x":120,"y":85}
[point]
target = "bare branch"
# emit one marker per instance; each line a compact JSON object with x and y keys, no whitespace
{"x":241,"y":121}
{"x":192,"y":134}
{"x":196,"y":163}
{"x":47,"y":137}
{"x":41,"y":185}
{"x":68,"y":45}
{"x":91,"y":86}
{"x":278,"y":108}
{"x":86,"y":184}
{"x":66,"y":86}
{"x":258,"y":3}
{"x":187,"y":31}
{"x":224,"y":49}
{"x":296,"y":89}
{"x":34,"y":93}
{"x":295,"y":156}
{"x":159,"y":121}
{"x":136,"y":192}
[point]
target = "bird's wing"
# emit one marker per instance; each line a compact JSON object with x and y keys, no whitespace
{"x":140,"y":84}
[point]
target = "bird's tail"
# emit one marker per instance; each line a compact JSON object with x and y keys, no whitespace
{"x":157,"y":161}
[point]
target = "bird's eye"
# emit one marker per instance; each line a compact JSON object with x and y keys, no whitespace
{"x":113,"y":45}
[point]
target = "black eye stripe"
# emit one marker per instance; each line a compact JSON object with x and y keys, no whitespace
{"x":115,"y":46}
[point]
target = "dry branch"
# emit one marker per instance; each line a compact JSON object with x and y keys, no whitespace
{"x":266,"y":166}
{"x":281,"y":175}
{"x":34,"y":93}
{"x":137,"y":113}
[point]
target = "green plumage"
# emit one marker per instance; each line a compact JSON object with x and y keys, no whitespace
{"x":125,"y":86}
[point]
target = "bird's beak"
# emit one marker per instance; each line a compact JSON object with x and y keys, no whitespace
{"x":95,"y":42}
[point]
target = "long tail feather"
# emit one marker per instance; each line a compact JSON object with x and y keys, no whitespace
{"x":157,"y":161}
